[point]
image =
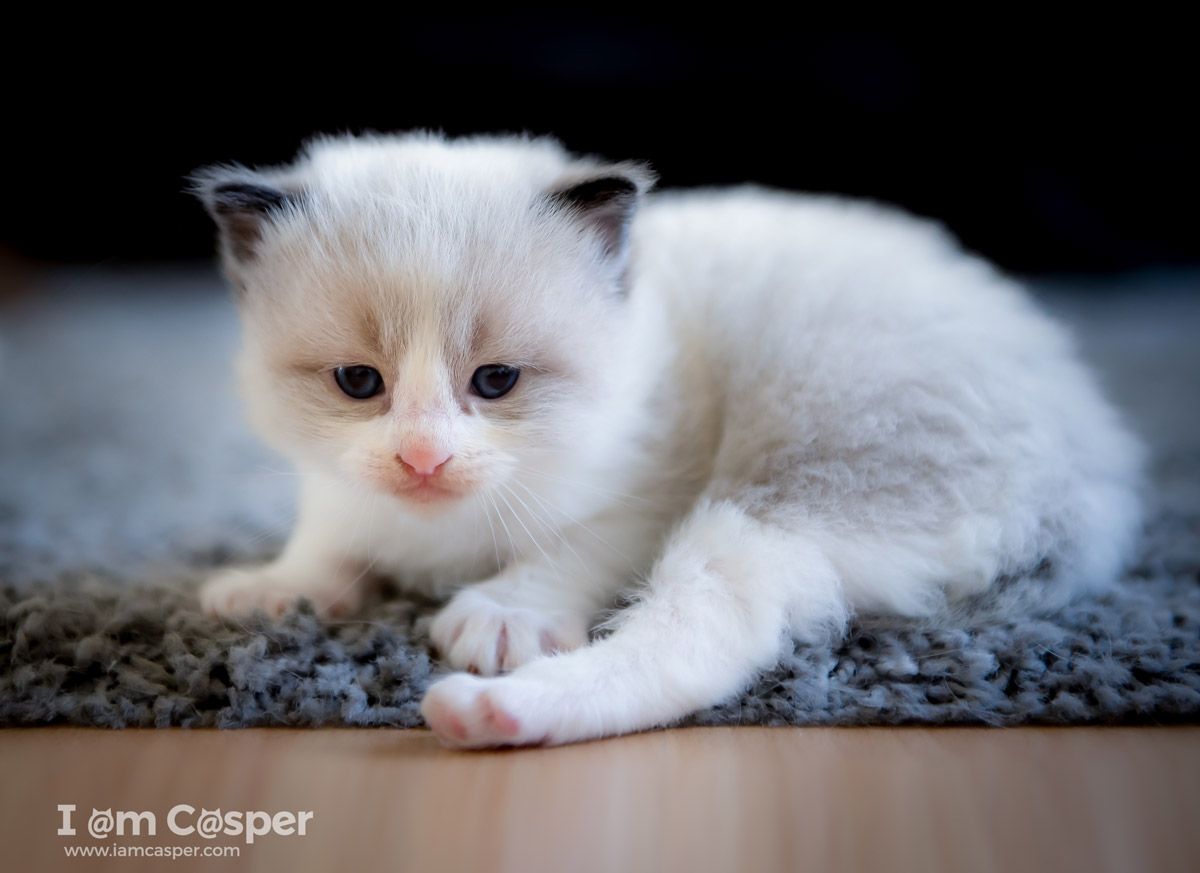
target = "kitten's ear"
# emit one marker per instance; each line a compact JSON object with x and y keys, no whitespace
{"x":605,"y":200}
{"x":241,"y":202}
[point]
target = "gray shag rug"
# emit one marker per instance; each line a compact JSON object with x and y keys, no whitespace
{"x":126,"y":474}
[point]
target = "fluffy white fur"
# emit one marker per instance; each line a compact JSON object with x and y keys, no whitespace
{"x":763,"y":412}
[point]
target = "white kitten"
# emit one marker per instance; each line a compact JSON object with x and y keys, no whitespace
{"x":769,"y":411}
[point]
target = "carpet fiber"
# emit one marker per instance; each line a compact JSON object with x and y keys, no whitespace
{"x":126,"y":474}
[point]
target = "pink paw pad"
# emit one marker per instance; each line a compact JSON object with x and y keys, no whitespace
{"x":445,"y":723}
{"x":496,"y":718}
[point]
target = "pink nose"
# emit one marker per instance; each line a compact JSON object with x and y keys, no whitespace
{"x":423,"y":460}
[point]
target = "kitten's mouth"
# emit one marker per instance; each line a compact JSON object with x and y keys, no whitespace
{"x":424,"y":491}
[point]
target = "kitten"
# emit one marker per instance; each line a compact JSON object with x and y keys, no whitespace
{"x":507,"y":374}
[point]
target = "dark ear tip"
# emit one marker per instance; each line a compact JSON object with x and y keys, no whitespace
{"x":606,"y":200}
{"x":597,"y":191}
{"x":618,"y":185}
{"x":241,"y":202}
{"x":246,"y":197}
{"x":203,"y":181}
{"x":226,"y":190}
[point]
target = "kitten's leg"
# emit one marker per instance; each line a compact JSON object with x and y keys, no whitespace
{"x":317,"y":564}
{"x":716,"y":610}
{"x":532,"y":608}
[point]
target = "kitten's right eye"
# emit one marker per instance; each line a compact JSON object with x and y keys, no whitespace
{"x":359,"y":382}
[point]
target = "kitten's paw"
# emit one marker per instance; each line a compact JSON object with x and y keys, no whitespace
{"x":475,"y":633}
{"x":467,"y":712}
{"x":239,"y":592}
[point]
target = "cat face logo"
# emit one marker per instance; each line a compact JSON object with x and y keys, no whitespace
{"x":101,"y":823}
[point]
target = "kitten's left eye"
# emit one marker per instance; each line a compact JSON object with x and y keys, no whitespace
{"x":494,"y":380}
{"x":359,"y":382}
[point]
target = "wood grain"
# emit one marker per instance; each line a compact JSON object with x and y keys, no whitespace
{"x":715,"y":799}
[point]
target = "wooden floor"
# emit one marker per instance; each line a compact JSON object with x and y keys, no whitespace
{"x":719,"y":799}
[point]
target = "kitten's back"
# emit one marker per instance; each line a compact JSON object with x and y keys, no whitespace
{"x":879,"y":379}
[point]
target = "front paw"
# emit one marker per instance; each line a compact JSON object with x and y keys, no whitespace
{"x":239,"y":592}
{"x":470,"y":713}
{"x":475,"y":633}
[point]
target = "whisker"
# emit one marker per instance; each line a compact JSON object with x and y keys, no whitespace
{"x":492,"y":528}
{"x":547,"y":525}
{"x":589,"y":531}
{"x":264,"y":470}
{"x":528,"y":533}
{"x":499,"y":515}
{"x":245,"y":550}
{"x":585,"y":485}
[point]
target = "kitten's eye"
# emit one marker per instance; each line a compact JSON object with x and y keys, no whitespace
{"x":359,"y":382}
{"x":494,"y":380}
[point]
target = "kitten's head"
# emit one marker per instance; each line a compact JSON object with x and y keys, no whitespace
{"x":428,"y":317}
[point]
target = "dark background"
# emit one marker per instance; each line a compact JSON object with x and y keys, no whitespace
{"x":1046,"y":147}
